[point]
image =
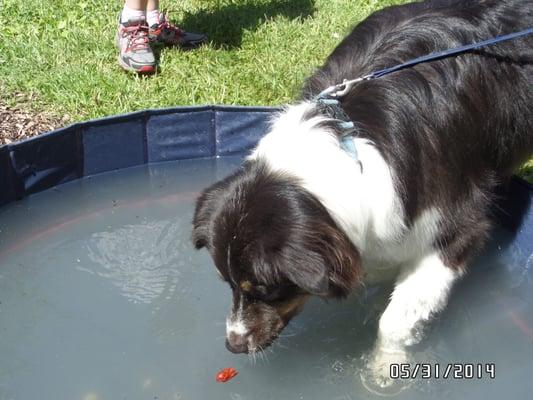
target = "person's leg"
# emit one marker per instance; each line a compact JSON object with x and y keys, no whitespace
{"x":152,"y":12}
{"x":133,"y":10}
{"x":133,"y":42}
{"x":137,"y":4}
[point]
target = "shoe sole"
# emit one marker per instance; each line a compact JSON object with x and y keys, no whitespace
{"x":143,"y":70}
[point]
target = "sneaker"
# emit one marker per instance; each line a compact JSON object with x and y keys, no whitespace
{"x":133,"y":43}
{"x":169,"y":34}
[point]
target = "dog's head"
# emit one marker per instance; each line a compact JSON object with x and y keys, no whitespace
{"x":275,"y":244}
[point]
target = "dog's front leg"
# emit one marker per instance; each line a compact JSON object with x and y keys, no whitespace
{"x":421,"y":291}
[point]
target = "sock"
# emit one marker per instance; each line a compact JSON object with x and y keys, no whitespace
{"x":131,"y":14}
{"x":152,"y":17}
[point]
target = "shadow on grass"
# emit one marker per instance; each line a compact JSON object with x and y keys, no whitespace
{"x":225,"y":25}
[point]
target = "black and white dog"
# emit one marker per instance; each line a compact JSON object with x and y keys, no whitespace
{"x":305,"y":217}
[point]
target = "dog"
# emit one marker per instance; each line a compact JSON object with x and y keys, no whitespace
{"x":305,"y":216}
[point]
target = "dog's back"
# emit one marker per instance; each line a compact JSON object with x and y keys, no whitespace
{"x":451,"y":129}
{"x":479,"y":100}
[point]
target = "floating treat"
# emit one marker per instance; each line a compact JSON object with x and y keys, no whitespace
{"x":226,"y":374}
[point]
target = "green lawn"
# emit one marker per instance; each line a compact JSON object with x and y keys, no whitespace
{"x":61,"y":53}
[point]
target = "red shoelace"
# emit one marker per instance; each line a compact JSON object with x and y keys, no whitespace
{"x":138,"y":36}
{"x":167,"y":26}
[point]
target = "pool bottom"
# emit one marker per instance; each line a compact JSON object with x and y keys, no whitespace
{"x":103,"y":297}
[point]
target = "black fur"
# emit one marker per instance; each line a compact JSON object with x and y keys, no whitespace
{"x":452,"y":129}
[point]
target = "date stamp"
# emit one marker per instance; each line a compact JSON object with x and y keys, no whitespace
{"x":443,"y":371}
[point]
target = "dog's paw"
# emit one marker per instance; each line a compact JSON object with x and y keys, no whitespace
{"x":377,"y":372}
{"x":380,"y":365}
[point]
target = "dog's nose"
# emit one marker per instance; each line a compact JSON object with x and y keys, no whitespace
{"x":237,"y":343}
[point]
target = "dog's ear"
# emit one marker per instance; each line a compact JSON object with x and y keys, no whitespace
{"x":200,"y":222}
{"x":309,"y":273}
{"x":208,"y":205}
{"x":341,"y":258}
{"x":283,"y":249}
{"x":327,"y":265}
{"x":203,"y":216}
{"x":199,"y":239}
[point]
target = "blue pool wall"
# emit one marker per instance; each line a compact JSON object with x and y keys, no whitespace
{"x":151,"y":136}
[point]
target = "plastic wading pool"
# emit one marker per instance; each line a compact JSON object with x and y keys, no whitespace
{"x":103,"y":297}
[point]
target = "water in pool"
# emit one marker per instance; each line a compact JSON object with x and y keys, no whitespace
{"x":103,"y":297}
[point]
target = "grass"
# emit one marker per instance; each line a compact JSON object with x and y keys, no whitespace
{"x":526,"y":171}
{"x":61,"y":53}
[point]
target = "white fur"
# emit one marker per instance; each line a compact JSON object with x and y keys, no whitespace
{"x":235,"y":323}
{"x":363,"y":201}
{"x":421,"y":290}
{"x":382,"y":259}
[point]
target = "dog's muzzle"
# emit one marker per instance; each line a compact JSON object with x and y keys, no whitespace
{"x":237,"y":343}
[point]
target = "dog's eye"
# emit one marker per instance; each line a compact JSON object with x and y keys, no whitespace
{"x":269,"y":294}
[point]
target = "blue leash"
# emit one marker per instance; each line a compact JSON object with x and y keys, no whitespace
{"x":340,"y":90}
{"x":328,"y":98}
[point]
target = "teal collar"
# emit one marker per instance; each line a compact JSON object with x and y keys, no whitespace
{"x":333,"y":109}
{"x":348,"y":146}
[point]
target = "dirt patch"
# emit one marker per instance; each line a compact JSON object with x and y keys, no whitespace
{"x":18,"y":122}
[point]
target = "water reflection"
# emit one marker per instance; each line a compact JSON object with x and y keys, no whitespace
{"x":141,"y":260}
